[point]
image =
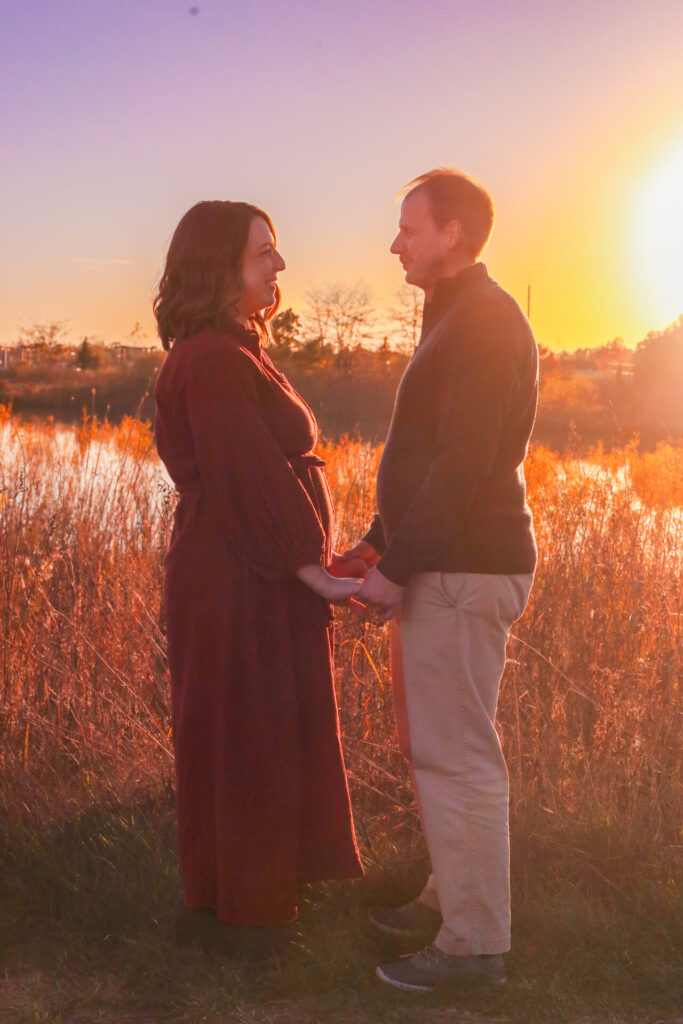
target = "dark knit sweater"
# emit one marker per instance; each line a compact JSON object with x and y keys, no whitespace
{"x":451,"y":495}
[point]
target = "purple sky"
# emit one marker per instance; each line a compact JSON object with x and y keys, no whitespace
{"x":119,"y":115}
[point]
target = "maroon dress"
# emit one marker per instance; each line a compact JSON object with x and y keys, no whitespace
{"x":262,"y":800}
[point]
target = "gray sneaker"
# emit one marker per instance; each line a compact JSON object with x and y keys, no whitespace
{"x":431,"y":969}
{"x":406,"y":922}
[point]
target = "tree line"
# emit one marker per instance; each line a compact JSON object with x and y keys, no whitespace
{"x":346,"y":359}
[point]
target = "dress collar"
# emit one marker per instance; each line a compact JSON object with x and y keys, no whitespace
{"x":247,"y":335}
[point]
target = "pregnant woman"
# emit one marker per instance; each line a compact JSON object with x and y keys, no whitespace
{"x":262,"y":800}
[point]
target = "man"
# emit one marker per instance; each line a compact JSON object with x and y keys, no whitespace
{"x":452,"y":554}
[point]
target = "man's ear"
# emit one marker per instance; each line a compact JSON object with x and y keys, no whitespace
{"x":454,"y":233}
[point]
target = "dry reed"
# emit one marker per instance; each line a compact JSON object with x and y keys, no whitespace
{"x":589,"y":701}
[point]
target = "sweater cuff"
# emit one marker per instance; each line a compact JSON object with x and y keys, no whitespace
{"x":375,"y":535}
{"x":396,"y":565}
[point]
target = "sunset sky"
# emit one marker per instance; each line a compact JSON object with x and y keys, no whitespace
{"x":117,"y":115}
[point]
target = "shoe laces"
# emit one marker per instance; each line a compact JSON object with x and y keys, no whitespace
{"x":432,"y":955}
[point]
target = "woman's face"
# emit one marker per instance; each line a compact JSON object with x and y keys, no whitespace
{"x":261,"y":264}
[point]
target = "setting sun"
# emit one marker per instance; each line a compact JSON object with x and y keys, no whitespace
{"x":659,"y":235}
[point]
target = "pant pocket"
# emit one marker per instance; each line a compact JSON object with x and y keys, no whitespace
{"x":520,"y":588}
{"x":452,"y":586}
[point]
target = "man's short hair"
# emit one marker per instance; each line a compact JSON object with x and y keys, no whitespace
{"x":455,"y":196}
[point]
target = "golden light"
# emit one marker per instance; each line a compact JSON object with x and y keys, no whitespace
{"x":659,"y":238}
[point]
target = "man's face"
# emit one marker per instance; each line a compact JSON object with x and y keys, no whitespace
{"x":420,"y":244}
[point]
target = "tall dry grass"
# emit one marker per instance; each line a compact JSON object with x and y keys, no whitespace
{"x":589,"y":701}
{"x":588,"y":713}
{"x":83,"y":526}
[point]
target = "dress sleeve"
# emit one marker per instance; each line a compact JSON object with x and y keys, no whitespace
{"x":254,"y":494}
{"x":477,"y":388}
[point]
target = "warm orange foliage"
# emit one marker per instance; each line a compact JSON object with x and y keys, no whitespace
{"x":564,"y":392}
{"x":587,"y":709}
{"x":135,"y":437}
{"x":351,"y":468}
{"x":658,"y":476}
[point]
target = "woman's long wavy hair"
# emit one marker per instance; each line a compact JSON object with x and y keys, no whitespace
{"x":202,"y":281}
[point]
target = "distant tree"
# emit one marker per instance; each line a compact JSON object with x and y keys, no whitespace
{"x":138,"y":335}
{"x":340,"y":315}
{"x":658,"y":378}
{"x":579,"y":359}
{"x":286,"y":328}
{"x":546,"y":360}
{"x":87,"y":357}
{"x":569,"y":404}
{"x":407,"y":315}
{"x":313,"y":352}
{"x":614,"y":351}
{"x":47,"y":337}
{"x":617,"y":346}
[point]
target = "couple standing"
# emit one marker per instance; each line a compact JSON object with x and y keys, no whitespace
{"x":262,"y":800}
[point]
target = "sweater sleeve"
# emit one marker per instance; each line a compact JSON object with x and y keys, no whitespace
{"x":477,"y":379}
{"x":375,"y":535}
{"x":254,"y":494}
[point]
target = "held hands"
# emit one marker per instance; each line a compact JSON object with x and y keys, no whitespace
{"x":382,"y":593}
{"x":331,"y":588}
{"x":363,"y":552}
{"x":377,"y":590}
{"x":361,"y":579}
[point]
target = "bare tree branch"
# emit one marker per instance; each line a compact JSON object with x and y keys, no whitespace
{"x":407,"y":315}
{"x":337,"y":314}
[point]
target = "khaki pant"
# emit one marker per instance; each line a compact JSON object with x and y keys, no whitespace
{"x":448,"y":655}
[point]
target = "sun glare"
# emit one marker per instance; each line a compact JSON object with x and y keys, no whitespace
{"x":659,"y":252}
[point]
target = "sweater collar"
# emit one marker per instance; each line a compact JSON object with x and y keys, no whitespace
{"x":448,"y":290}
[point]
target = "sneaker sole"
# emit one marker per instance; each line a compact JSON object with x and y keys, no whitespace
{"x":401,"y":984}
{"x":465,"y":976}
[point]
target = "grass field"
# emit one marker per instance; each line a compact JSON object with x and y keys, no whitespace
{"x":589,"y":715}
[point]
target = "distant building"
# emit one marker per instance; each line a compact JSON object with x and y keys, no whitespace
{"x":127,"y":353}
{"x":12,"y":354}
{"x":604,"y":371}
{"x":25,"y":353}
